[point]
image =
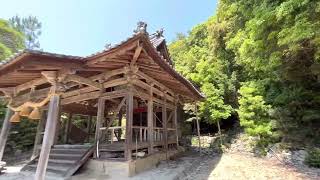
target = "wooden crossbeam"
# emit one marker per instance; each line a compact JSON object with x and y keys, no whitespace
{"x":155,"y":90}
{"x":148,"y":78}
{"x":94,"y":95}
{"x":82,"y":80}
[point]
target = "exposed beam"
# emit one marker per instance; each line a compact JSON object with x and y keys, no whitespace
{"x":82,"y":80}
{"x":136,"y":55}
{"x":148,"y":78}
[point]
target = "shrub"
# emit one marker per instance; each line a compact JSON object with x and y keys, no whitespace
{"x":313,"y":158}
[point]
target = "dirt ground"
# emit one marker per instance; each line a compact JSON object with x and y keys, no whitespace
{"x":227,"y":166}
{"x":240,"y":166}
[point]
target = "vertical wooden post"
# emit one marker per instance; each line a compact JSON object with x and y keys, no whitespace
{"x":37,"y":140}
{"x":129,"y":118}
{"x":5,"y":131}
{"x":198,"y":126}
{"x":49,"y":136}
{"x":100,"y":119}
{"x":175,"y":119}
{"x":67,"y":129}
{"x":150,"y":122}
{"x":164,"y":121}
{"x":89,"y":128}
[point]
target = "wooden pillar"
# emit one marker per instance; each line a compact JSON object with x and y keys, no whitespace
{"x":150,"y":122}
{"x":198,"y":126}
{"x":129,"y":119}
{"x":89,"y":128}
{"x":164,"y":121}
{"x":100,"y":120}
{"x":175,"y":119}
{"x":5,"y":131}
{"x":49,"y":135}
{"x":37,"y":140}
{"x":67,"y":129}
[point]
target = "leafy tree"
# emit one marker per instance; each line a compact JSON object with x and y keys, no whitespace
{"x":261,"y":60}
{"x":30,"y":27}
{"x":10,"y":40}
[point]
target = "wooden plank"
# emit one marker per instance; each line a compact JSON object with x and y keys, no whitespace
{"x":129,"y":119}
{"x":48,"y":139}
{"x":5,"y":131}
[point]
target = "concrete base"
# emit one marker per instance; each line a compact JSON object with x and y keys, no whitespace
{"x":113,"y":169}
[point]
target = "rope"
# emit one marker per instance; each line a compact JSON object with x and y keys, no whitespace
{"x":32,"y":104}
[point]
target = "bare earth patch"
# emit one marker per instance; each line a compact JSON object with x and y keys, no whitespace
{"x":235,"y":166}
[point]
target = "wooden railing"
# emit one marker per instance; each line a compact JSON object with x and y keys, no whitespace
{"x":140,"y":133}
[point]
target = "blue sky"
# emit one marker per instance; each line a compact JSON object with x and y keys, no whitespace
{"x":82,"y":27}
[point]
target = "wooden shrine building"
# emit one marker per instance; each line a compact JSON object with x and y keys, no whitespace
{"x":129,"y":92}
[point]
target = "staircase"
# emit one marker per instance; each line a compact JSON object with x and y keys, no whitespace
{"x":64,"y":160}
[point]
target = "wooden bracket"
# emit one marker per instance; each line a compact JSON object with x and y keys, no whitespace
{"x":136,"y":54}
{"x":82,"y":80}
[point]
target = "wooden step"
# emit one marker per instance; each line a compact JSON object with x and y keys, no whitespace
{"x":58,"y":170}
{"x":69,"y":146}
{"x":64,"y":160}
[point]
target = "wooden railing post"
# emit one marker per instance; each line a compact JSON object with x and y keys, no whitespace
{"x":5,"y":131}
{"x":49,"y":135}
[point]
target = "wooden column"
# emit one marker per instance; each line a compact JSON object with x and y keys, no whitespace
{"x":129,"y":119}
{"x":100,"y":120}
{"x":5,"y":131}
{"x":198,"y":126}
{"x":49,"y":135}
{"x":164,"y":121}
{"x":89,"y":128}
{"x":37,"y":140}
{"x":67,"y":129}
{"x":175,"y":119}
{"x":150,"y":122}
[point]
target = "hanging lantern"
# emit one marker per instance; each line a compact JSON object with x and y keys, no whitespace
{"x":25,"y":111}
{"x":15,"y":118}
{"x":35,"y":114}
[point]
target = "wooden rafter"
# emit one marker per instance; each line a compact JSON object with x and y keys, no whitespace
{"x":136,"y":55}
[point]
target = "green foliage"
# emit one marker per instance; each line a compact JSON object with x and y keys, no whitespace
{"x":260,"y":59}
{"x":11,"y":40}
{"x":313,"y":158}
{"x":22,"y":135}
{"x":30,"y":27}
{"x":253,"y":111}
{"x":193,"y":56}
